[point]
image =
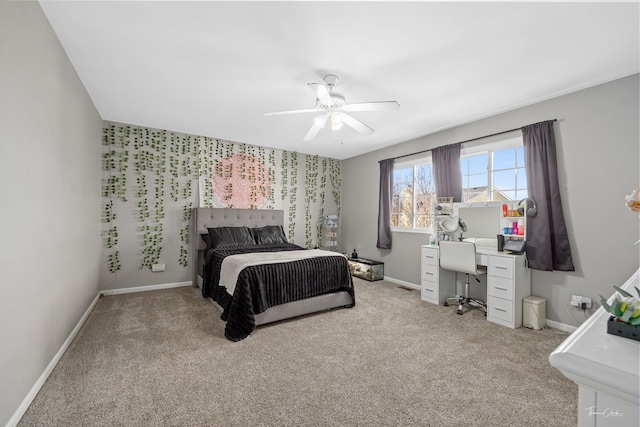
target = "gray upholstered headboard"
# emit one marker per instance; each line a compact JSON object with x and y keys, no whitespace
{"x":229,"y":217}
{"x":203,"y":218}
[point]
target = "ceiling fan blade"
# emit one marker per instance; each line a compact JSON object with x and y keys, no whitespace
{"x":278,"y":113}
{"x":321,"y":92}
{"x":318,"y":123}
{"x":356,"y":124}
{"x":372,"y":106}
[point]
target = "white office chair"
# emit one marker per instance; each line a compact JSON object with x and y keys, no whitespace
{"x":461,"y":257}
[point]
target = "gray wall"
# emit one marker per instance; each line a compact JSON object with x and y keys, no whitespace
{"x":597,"y":142}
{"x":50,"y":200}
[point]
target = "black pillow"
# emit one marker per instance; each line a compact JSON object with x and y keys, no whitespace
{"x":269,"y":234}
{"x":207,"y":240}
{"x":223,"y":237}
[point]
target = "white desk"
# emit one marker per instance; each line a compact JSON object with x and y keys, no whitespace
{"x":605,"y":367}
{"x":508,"y":282}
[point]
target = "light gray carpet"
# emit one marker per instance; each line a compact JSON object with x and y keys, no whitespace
{"x":160,"y":359}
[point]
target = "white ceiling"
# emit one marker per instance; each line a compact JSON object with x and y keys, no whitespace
{"x":212,"y":68}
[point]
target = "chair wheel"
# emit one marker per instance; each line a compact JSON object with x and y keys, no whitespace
{"x":446,"y":304}
{"x":459,"y":312}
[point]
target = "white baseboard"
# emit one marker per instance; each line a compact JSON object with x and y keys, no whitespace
{"x":402,"y":283}
{"x":561,"y":326}
{"x":144,"y":288}
{"x":15,"y":419}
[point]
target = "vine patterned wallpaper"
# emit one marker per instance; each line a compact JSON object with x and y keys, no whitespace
{"x":149,"y":172}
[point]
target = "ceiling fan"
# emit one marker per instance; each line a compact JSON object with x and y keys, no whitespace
{"x":335,"y":109}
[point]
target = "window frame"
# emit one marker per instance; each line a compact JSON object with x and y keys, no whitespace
{"x":489,"y":148}
{"x":468,"y":151}
{"x":424,"y":159}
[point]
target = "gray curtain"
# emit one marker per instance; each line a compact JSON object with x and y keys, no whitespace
{"x":384,"y":204}
{"x":547,"y":240}
{"x":447,"y":172}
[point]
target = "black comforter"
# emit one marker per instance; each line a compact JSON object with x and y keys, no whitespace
{"x":262,"y":286}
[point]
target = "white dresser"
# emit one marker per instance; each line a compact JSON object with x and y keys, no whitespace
{"x":437,"y":284}
{"x":605,"y":367}
{"x":508,"y":282}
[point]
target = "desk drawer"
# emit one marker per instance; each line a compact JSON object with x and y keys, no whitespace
{"x":429,"y":289}
{"x":501,"y":267}
{"x":430,"y":256}
{"x":430,"y":272}
{"x":500,"y":309}
{"x":501,"y":287}
{"x":429,"y":292}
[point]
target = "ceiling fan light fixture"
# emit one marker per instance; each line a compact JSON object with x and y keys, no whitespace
{"x":335,"y":109}
{"x":336,"y":121}
{"x":320,"y":121}
{"x":335,"y":103}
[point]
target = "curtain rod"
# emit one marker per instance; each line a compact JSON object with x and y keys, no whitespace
{"x":469,"y":140}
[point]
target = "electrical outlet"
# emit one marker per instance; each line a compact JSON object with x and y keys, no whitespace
{"x":578,"y":301}
{"x":158,"y":267}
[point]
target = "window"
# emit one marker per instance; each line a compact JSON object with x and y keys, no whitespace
{"x":494,"y":172}
{"x":413,"y":195}
{"x":490,"y":172}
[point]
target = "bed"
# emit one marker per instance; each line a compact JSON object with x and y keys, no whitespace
{"x":262,"y":278}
